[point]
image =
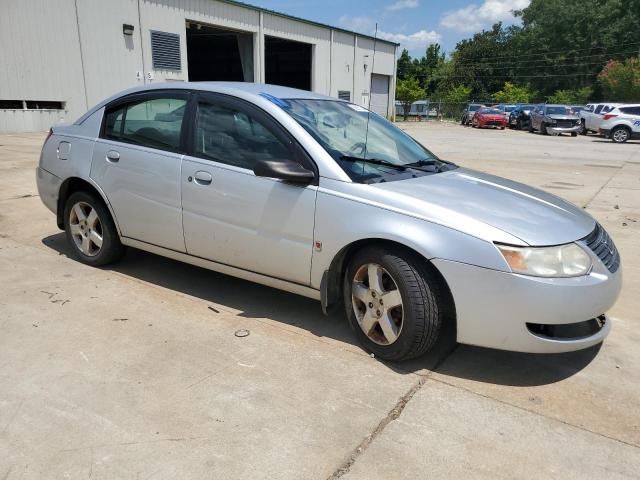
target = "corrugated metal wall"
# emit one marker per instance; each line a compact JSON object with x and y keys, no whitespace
{"x":75,"y":51}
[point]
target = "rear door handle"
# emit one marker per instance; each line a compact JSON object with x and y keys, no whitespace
{"x":113,"y":156}
{"x":202,"y":177}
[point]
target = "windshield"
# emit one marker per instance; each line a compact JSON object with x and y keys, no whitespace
{"x":556,"y":111}
{"x":508,"y":108}
{"x":366,"y":151}
{"x":473,"y":108}
{"x":491,"y":111}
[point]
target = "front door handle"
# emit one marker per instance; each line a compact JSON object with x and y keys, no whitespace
{"x":202,"y":178}
{"x":113,"y":156}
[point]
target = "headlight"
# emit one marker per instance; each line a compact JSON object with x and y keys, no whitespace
{"x":562,"y":261}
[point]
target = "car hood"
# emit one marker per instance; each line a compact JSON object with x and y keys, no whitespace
{"x":491,"y":116}
{"x":562,"y":117}
{"x":466,"y":200}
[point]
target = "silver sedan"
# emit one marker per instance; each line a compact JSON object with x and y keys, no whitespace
{"x":322,"y":198}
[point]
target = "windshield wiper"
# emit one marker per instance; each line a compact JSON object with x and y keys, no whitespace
{"x":374,"y":161}
{"x":427,"y":162}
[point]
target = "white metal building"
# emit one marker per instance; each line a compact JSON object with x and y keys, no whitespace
{"x":60,"y":57}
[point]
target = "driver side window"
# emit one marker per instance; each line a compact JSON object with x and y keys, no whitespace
{"x":228,"y":135}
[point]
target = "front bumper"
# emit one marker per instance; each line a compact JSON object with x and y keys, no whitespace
{"x":493,"y":308}
{"x":574,"y":129}
{"x":48,"y":188}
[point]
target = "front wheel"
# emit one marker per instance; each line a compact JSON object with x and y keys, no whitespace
{"x":543,"y":129}
{"x":393,"y":303}
{"x":620,"y":134}
{"x":90,"y":230}
{"x":583,"y":128}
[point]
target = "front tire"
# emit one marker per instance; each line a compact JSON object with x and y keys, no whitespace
{"x":583,"y":128}
{"x":393,"y":303}
{"x":90,"y":230}
{"x":620,"y":134}
{"x":543,"y":129}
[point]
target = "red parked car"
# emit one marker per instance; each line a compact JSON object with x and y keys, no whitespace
{"x":489,"y":117}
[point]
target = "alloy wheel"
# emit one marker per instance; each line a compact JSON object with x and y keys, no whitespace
{"x":620,"y":135}
{"x":86,"y":228}
{"x":377,"y":304}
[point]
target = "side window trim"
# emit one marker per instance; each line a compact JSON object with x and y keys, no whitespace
{"x":139,"y":97}
{"x":271,"y":124}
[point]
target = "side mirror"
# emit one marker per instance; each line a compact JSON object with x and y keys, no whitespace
{"x":283,"y":170}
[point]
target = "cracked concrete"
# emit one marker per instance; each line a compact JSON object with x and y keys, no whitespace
{"x":135,"y":372}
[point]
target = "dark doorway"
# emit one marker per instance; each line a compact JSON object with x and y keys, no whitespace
{"x":287,"y":63}
{"x":218,"y":54}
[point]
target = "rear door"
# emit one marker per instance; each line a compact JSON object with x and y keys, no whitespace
{"x":137,"y":160}
{"x":230,"y":215}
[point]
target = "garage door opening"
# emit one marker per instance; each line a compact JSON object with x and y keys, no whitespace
{"x":217,"y":54}
{"x":287,"y":63}
{"x":380,"y":94}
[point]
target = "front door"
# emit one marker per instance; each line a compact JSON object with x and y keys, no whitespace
{"x":230,"y":215}
{"x":136,"y":161}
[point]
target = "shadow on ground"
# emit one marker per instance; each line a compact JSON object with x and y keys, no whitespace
{"x":257,"y":301}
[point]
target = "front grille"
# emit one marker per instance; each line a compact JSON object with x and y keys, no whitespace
{"x":565,"y":123}
{"x":602,"y":245}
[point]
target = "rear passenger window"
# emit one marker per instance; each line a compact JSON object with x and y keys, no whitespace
{"x":630,"y":110}
{"x":152,"y":123}
{"x":229,"y":136}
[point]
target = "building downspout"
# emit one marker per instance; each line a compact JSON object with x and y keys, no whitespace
{"x":84,"y":75}
{"x":144,"y":76}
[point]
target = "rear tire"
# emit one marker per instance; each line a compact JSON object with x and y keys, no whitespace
{"x":620,"y":134}
{"x":90,"y":230}
{"x":393,"y":332}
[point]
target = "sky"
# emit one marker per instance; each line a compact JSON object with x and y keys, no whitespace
{"x":412,"y":23}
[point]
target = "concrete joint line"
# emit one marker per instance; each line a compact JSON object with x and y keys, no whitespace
{"x":533,"y":412}
{"x":395,"y":412}
{"x":618,"y":170}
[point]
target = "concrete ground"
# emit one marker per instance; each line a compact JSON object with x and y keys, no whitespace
{"x":135,"y":372}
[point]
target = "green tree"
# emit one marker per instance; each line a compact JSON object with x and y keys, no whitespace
{"x":564,"y":97}
{"x":563,"y":44}
{"x":458,"y":94}
{"x":512,"y":93}
{"x":404,"y":67}
{"x":407,"y":92}
{"x":433,"y":60}
{"x":621,"y":80}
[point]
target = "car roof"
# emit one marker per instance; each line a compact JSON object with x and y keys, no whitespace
{"x":254,"y":91}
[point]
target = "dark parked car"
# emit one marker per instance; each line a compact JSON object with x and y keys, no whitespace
{"x":519,"y":117}
{"x":469,"y":112}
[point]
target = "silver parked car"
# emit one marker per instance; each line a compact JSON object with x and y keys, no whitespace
{"x":322,"y":198}
{"x":554,"y":120}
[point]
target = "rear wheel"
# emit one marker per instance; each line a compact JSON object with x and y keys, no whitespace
{"x":393,"y":303}
{"x":90,"y":230}
{"x":620,"y":134}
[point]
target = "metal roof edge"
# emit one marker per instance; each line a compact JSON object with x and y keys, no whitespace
{"x":304,"y":20}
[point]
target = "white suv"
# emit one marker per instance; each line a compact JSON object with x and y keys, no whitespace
{"x":622,"y":123}
{"x":591,"y":116}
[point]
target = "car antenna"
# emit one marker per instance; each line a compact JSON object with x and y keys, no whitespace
{"x":373,"y":64}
